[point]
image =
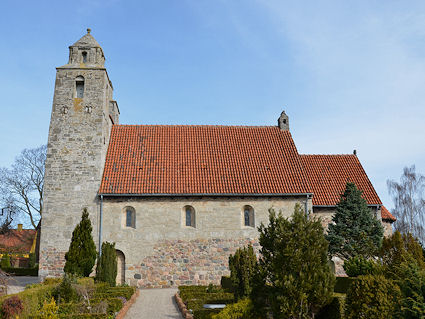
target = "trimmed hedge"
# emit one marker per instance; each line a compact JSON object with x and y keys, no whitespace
{"x":78,"y":316}
{"x":114,"y":292}
{"x":114,"y":305}
{"x":226,"y":283}
{"x":22,"y":271}
{"x":33,"y":298}
{"x":342,"y":284}
{"x":205,"y":313}
{"x":334,"y":310}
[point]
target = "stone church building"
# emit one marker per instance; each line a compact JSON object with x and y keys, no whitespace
{"x":176,"y":199}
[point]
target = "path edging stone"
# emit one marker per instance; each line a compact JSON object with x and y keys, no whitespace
{"x":127,"y":305}
{"x":182,"y":307}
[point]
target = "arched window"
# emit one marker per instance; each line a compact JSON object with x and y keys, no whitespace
{"x":130,"y":217}
{"x":189,"y":216}
{"x":79,"y":86}
{"x":84,"y":56}
{"x":248,"y":216}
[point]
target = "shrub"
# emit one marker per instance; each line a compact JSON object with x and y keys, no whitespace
{"x":22,"y":271}
{"x":242,"y":268}
{"x":354,"y":229}
{"x":342,"y":284}
{"x":5,"y":261}
{"x":372,"y":297}
{"x":294,"y":276}
{"x":359,"y":265}
{"x":65,"y":292}
{"x":226,"y":283}
{"x":412,"y":285}
{"x":106,"y":269}
{"x":205,"y":313}
{"x":240,"y":310}
{"x":81,"y":255}
{"x":333,"y":310}
{"x":49,"y":310}
{"x":398,"y":249}
{"x":12,"y":307}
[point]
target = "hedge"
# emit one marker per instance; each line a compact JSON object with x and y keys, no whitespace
{"x":342,"y":284}
{"x":22,"y":271}
{"x":33,"y":298}
{"x":113,"y":305}
{"x":226,"y":283}
{"x":205,"y":313}
{"x":334,"y":310}
{"x":77,"y":316}
{"x":113,"y":292}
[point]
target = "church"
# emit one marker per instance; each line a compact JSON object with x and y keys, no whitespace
{"x":176,"y":199}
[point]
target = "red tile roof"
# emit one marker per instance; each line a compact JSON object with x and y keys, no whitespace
{"x":16,"y":241}
{"x":328,"y":175}
{"x":386,"y":215}
{"x":160,"y":159}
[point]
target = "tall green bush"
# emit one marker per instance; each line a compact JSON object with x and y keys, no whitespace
{"x":31,"y":260}
{"x":372,"y":297}
{"x":242,"y":268}
{"x":354,"y":229}
{"x":294,"y":277}
{"x":81,"y":255}
{"x":5,"y":261}
{"x":106,"y":269}
{"x":399,"y":249}
{"x":240,"y":310}
{"x":358,"y":265}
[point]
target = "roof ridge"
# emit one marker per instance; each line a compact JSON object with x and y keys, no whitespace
{"x":328,"y":155}
{"x":196,"y":125}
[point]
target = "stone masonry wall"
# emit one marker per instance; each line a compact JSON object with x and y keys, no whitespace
{"x":162,"y":251}
{"x":76,"y":149}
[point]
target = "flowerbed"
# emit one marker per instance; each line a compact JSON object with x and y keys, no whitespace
{"x":89,"y":300}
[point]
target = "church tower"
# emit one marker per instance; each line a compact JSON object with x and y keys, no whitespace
{"x":83,"y":113}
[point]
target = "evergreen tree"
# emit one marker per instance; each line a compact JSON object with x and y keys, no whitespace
{"x":242,"y":268}
{"x":106,"y":269}
{"x":5,"y":261}
{"x":294,"y":278}
{"x":354,"y":231}
{"x":81,"y":255}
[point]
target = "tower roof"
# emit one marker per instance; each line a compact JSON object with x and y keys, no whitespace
{"x":87,"y":41}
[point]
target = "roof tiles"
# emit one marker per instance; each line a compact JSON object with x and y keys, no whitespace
{"x":177,"y":159}
{"x":386,"y":215}
{"x":329,"y":174}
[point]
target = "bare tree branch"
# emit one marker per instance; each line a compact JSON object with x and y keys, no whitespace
{"x":409,"y":202}
{"x":22,"y":184}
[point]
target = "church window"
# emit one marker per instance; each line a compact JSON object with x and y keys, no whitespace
{"x":248,"y":216}
{"x":84,"y":57}
{"x":189,"y":216}
{"x":130,"y":217}
{"x":79,"y":85}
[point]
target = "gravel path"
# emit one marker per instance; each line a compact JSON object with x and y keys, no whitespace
{"x":154,"y":304}
{"x":18,"y":283}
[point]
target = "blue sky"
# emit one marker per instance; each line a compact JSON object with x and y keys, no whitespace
{"x":350,"y":74}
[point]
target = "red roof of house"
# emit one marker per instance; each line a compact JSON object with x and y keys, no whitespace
{"x":17,"y":241}
{"x":329,"y":174}
{"x":177,"y":159}
{"x":386,"y":215}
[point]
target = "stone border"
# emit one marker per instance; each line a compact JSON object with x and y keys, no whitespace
{"x":121,"y":314}
{"x":182,"y":307}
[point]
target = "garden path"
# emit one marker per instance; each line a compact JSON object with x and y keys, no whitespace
{"x":155,"y":304}
{"x":18,"y":283}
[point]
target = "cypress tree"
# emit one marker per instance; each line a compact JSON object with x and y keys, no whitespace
{"x":81,"y":255}
{"x":242,"y":269}
{"x":106,"y":268}
{"x":355,"y":230}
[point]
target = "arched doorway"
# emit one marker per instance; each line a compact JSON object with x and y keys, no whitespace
{"x":120,"y":267}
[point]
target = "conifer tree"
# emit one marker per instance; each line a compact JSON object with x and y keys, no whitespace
{"x":242,"y":268}
{"x":106,"y":268}
{"x":294,"y":278}
{"x":355,"y":230}
{"x":81,"y":255}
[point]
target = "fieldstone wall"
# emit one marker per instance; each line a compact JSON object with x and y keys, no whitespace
{"x":194,"y":262}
